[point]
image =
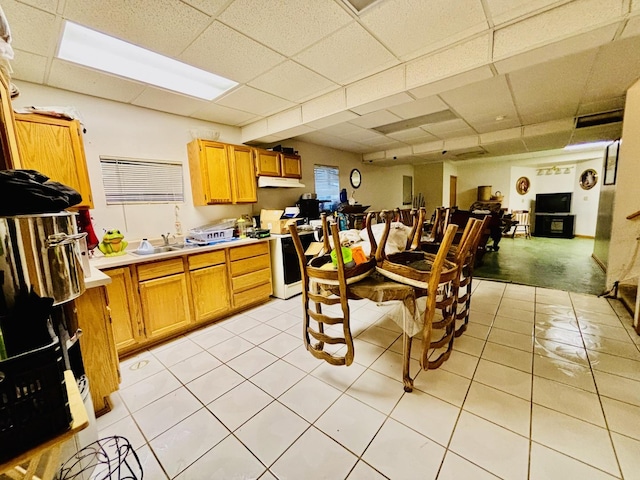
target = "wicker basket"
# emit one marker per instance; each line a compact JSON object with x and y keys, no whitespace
{"x":33,"y":400}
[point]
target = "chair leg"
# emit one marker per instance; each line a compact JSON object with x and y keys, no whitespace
{"x":406,"y":375}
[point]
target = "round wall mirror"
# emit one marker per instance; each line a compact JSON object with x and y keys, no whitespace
{"x":356,"y":178}
{"x":588,"y":179}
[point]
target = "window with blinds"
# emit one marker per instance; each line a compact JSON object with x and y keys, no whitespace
{"x":134,"y":181}
{"x":327,"y":183}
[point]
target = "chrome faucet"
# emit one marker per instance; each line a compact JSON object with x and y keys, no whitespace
{"x":165,"y":238}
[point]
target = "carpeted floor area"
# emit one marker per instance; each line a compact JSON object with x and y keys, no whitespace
{"x":558,"y":263}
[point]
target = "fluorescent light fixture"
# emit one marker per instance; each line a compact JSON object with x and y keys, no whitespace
{"x":92,"y":49}
{"x":584,"y":146}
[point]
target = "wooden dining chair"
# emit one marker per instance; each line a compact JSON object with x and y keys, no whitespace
{"x":319,"y":272}
{"x":428,"y":273}
{"x":449,"y":296}
{"x":466,"y":281}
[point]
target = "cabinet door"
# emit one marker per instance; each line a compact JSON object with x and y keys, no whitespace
{"x":243,"y":177}
{"x":54,"y":147}
{"x":267,"y":162}
{"x":217,"y":175}
{"x":10,"y":154}
{"x":127,"y":329}
{"x":291,"y":166}
{"x":165,"y":305}
{"x":210,"y":288}
{"x":97,"y":344}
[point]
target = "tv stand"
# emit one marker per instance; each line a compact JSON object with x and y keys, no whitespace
{"x":554,"y":225}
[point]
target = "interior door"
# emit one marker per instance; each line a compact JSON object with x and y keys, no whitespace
{"x":453,"y":190}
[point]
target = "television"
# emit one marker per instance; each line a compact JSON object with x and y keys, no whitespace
{"x":553,"y":202}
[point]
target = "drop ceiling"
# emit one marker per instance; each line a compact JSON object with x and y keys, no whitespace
{"x":488,"y":77}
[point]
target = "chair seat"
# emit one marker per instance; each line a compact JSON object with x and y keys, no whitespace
{"x":414,"y":268}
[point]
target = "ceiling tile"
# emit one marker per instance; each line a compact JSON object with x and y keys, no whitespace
{"x":284,"y":120}
{"x":429,"y":147}
{"x":449,"y":129}
{"x":616,"y":68}
{"x":211,"y":7}
{"x":417,"y":108}
{"x":382,"y":142}
{"x":547,"y":142}
{"x":635,"y":5}
{"x":383,"y":103}
{"x":254,"y":130}
{"x":341,"y":129}
{"x":254,"y":101}
{"x":287,"y":26}
{"x":225,"y":115}
{"x":69,"y":76}
{"x":553,"y":25}
{"x":165,"y":101}
{"x":413,"y":136}
{"x":168,"y":28}
{"x":50,"y":6}
{"x":324,"y":105}
{"x":331,"y":141}
{"x":458,"y":59}
{"x":410,"y":28}
{"x":502,"y":11}
{"x":375,"y":119}
{"x":32,"y":30}
{"x":481,"y":102}
{"x":632,"y":28}
{"x":372,"y":89}
{"x":28,"y":66}
{"x":602,"y":106}
{"x":363,"y":57}
{"x":226,"y":52}
{"x":292,"y":81}
{"x":334,"y":119}
{"x":292,"y":132}
{"x":576,"y":44}
{"x":455,"y":81}
{"x":553,"y":89}
{"x":509,"y":147}
{"x":565,"y":125}
{"x":362,"y":135}
{"x":501,"y":136}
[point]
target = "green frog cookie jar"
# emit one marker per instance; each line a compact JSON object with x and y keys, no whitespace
{"x":113,"y":244}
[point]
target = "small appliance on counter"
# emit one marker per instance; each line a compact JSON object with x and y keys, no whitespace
{"x":309,"y":206}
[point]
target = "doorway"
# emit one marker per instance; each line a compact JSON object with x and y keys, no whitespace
{"x":453,"y":190}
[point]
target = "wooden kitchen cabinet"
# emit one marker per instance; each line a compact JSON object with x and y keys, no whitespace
{"x":250,"y":274}
{"x":97,"y":345}
{"x":221,"y":173}
{"x":209,"y":285}
{"x":128,"y":331}
{"x":54,"y":147}
{"x":267,"y":163}
{"x":291,"y":165}
{"x":243,"y":179}
{"x":8,"y":139}
{"x":164,"y":298}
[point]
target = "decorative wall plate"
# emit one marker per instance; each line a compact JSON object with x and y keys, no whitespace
{"x":523,"y":184}
{"x":588,"y":179}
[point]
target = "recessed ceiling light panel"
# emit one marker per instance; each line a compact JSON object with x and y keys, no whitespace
{"x":92,"y":49}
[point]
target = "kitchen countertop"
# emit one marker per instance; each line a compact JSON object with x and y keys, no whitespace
{"x":96,"y":278}
{"x":100,"y":262}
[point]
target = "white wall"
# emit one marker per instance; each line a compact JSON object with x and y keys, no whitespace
{"x":624,"y":233}
{"x":429,"y":181}
{"x":448,"y":169}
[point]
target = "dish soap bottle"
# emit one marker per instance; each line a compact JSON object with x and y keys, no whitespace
{"x":145,"y":246}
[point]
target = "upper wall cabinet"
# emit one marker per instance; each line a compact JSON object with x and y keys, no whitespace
{"x":221,"y":173}
{"x":54,"y":147}
{"x":276,"y":164}
{"x":267,"y":163}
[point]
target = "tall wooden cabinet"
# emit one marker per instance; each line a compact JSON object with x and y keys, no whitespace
{"x":127,"y":327}
{"x":8,"y":139}
{"x":54,"y":147}
{"x":221,"y":173}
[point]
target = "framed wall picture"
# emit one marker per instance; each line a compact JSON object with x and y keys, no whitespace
{"x":588,"y":179}
{"x":611,"y":163}
{"x":523,"y":185}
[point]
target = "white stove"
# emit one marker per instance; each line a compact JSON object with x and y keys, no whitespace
{"x":285,"y":266}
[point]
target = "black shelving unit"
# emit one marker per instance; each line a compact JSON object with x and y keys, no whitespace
{"x":554,"y":225}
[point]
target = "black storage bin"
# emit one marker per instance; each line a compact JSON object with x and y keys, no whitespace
{"x":34,"y":405}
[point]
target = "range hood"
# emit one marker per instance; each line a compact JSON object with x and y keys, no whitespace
{"x":279,"y":182}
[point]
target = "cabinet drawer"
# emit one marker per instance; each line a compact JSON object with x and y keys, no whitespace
{"x":253,"y":295}
{"x":248,"y":265}
{"x":250,"y":280}
{"x":148,"y":271}
{"x":253,"y":250}
{"x":208,"y":259}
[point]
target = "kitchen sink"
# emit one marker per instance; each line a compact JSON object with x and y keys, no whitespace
{"x":161,"y":249}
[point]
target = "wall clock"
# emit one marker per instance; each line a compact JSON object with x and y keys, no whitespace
{"x":355,"y":178}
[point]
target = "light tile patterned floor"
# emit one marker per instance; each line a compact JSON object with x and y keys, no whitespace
{"x":544,"y":384}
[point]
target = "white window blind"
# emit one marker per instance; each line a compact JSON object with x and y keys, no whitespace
{"x":128,"y":180}
{"x":327,"y":185}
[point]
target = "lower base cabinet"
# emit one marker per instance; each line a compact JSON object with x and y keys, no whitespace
{"x":160,"y":299}
{"x":97,"y":345}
